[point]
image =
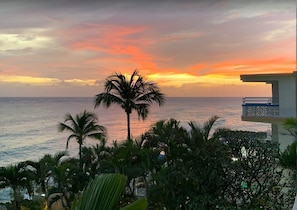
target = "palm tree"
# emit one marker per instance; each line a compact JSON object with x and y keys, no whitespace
{"x":168,"y":136}
{"x":132,"y":93}
{"x":44,"y":167}
{"x":17,"y":177}
{"x":84,"y":125}
{"x":202,"y":134}
{"x":188,"y":156}
{"x":67,"y":178}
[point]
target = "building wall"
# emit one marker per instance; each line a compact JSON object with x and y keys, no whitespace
{"x":287,"y":108}
{"x":287,"y":96}
{"x":275,"y":92}
{"x":274,"y":132}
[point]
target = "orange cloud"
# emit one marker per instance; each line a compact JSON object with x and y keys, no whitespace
{"x":115,"y":44}
{"x":255,"y":66}
{"x":244,"y":66}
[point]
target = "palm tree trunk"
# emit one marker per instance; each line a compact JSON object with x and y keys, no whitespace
{"x":128,"y":125}
{"x":80,"y":159}
{"x":43,"y":187}
{"x":16,"y":198}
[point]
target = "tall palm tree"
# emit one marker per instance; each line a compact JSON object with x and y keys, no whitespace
{"x":132,"y":93}
{"x":82,"y":126}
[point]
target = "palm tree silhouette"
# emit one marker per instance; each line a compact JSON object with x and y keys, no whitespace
{"x":17,"y":177}
{"x":43,"y":168}
{"x":132,"y":93}
{"x":83,"y":126}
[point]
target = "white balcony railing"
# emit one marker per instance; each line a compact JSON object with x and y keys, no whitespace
{"x":260,"y":107}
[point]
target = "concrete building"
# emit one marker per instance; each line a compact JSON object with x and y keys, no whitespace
{"x":275,"y":109}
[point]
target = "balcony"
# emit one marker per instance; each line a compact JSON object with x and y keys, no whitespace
{"x":259,"y":108}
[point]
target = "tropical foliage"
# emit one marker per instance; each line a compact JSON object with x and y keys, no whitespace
{"x":288,"y":157}
{"x":18,"y":178}
{"x":290,"y":125}
{"x":192,"y":174}
{"x":134,"y":93}
{"x":212,"y":171}
{"x":256,"y":179}
{"x":174,"y":166}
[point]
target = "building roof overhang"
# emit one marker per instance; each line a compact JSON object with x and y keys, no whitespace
{"x":268,"y":78}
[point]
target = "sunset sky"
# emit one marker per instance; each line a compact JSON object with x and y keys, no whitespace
{"x":190,"y":48}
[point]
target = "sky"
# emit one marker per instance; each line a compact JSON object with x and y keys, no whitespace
{"x":189,"y":48}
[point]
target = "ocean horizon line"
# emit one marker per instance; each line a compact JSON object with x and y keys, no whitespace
{"x":94,"y":96}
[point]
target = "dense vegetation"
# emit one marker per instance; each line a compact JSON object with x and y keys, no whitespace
{"x":201,"y":169}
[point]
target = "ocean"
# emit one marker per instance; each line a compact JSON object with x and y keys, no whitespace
{"x":28,"y":126}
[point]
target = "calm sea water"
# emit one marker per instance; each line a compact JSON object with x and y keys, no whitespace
{"x":28,"y":126}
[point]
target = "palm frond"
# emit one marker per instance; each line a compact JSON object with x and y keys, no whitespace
{"x":107,"y":99}
{"x":197,"y":133}
{"x":102,"y":193}
{"x":142,"y":110}
{"x":209,"y":125}
{"x":69,"y":138}
{"x":290,"y":124}
{"x":64,"y":126}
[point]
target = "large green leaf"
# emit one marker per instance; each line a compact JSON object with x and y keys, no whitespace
{"x":104,"y":193}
